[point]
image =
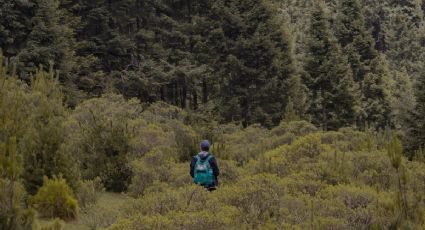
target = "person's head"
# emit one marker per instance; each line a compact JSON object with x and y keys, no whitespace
{"x":205,"y":145}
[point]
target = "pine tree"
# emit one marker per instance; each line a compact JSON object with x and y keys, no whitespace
{"x":14,"y":213}
{"x":402,"y":101}
{"x":376,"y":95}
{"x":369,"y":68}
{"x":404,"y":32}
{"x":15,"y":25}
{"x":256,"y":61}
{"x":417,"y":124}
{"x":48,"y":41}
{"x":34,"y":116}
{"x":290,"y":112}
{"x":41,"y":142}
{"x":297,"y":93}
{"x":334,"y":98}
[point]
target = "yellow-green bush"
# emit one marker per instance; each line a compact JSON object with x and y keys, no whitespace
{"x":274,"y":161}
{"x":156,"y":165}
{"x":359,"y":207}
{"x":297,"y":128}
{"x":244,"y":145}
{"x":98,"y":135}
{"x":320,"y":180}
{"x":172,"y":120}
{"x":88,"y":191}
{"x":144,"y":137}
{"x":309,"y":146}
{"x":55,"y":199}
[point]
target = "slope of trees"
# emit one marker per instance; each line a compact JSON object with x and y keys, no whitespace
{"x":235,"y":60}
{"x":315,"y":110}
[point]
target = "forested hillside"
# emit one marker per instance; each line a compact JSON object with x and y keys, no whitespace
{"x":315,"y":110}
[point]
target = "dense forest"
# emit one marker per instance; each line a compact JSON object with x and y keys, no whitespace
{"x":315,"y":110}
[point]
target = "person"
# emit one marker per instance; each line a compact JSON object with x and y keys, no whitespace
{"x":204,"y":169}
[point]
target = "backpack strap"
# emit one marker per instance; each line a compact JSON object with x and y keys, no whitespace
{"x":198,"y":158}
{"x":209,"y":157}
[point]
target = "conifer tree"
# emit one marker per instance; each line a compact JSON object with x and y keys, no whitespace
{"x":257,"y":61}
{"x":34,"y":116}
{"x":402,"y":101}
{"x":369,"y":68}
{"x":416,"y":136}
{"x":404,"y":37}
{"x":44,"y":134}
{"x":14,"y":213}
{"x":290,"y":113}
{"x":15,"y":25}
{"x":375,"y":94}
{"x":49,"y":41}
{"x":334,"y":94}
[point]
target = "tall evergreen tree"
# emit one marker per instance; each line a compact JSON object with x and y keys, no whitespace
{"x":416,"y":137}
{"x":14,"y":213}
{"x":15,"y":25}
{"x":404,"y":29}
{"x":403,"y":101}
{"x":256,"y":61}
{"x":49,"y":41}
{"x":368,"y":66}
{"x":334,"y":94}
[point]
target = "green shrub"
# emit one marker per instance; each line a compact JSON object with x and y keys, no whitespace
{"x":144,"y":137}
{"x":309,"y":146}
{"x":274,"y":161}
{"x":298,"y":128}
{"x":360,"y":207}
{"x":229,"y":171}
{"x":244,"y":145}
{"x":14,"y":213}
{"x":55,"y":199}
{"x":98,"y":134}
{"x":258,"y":198}
{"x":156,"y":165}
{"x":88,"y":191}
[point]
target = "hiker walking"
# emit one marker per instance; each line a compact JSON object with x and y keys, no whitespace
{"x":204,"y":169}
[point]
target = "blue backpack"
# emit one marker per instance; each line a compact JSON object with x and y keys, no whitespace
{"x":203,"y":171}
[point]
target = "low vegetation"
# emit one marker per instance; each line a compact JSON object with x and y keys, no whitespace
{"x":293,"y":176}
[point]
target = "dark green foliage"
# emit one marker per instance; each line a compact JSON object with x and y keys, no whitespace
{"x":376,"y":95}
{"x":334,"y":94}
{"x":98,"y":135}
{"x":264,"y":80}
{"x":234,"y":60}
{"x":369,"y":68}
{"x":257,"y":63}
{"x":416,"y":135}
{"x":15,"y":25}
{"x":34,"y":33}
